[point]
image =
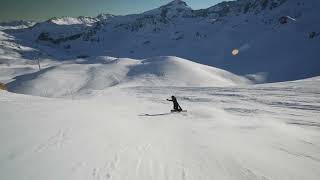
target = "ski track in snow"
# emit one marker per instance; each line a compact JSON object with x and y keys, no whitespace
{"x":56,"y":140}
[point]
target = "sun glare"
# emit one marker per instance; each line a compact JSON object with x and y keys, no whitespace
{"x":235,"y":52}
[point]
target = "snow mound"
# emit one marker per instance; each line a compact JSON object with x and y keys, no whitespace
{"x":174,"y":71}
{"x":102,"y":73}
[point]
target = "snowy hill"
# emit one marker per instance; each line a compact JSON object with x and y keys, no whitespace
{"x":271,"y":35}
{"x":268,"y":131}
{"x":73,"y":79}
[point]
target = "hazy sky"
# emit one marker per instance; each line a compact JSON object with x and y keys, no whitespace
{"x":45,"y":9}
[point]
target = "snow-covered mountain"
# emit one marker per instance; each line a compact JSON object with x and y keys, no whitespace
{"x":278,"y":39}
{"x":16,"y":24}
{"x":84,"y":20}
{"x":71,"y":20}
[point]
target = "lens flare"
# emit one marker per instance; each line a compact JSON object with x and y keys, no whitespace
{"x":235,"y":52}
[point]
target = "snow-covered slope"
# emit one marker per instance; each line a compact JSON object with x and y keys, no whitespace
{"x":259,"y":132}
{"x":71,"y":79}
{"x":271,"y":35}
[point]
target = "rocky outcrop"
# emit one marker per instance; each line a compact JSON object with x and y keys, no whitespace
{"x":313,"y":34}
{"x":45,"y":36}
{"x":2,"y":86}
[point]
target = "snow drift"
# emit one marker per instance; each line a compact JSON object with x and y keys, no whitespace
{"x":79,"y":77}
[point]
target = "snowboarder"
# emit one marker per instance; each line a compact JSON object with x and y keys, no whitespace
{"x":176,"y":106}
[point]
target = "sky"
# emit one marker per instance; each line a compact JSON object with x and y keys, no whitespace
{"x":44,"y":9}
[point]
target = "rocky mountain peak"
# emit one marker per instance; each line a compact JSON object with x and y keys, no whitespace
{"x":177,"y":4}
{"x":173,"y":9}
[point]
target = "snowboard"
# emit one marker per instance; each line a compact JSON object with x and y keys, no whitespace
{"x":163,"y":114}
{"x":175,"y":111}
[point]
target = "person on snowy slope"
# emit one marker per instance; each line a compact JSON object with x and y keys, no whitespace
{"x":176,"y":106}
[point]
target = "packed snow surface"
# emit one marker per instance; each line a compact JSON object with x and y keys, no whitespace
{"x":266,"y":131}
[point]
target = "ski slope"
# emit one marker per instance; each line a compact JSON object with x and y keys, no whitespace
{"x":242,"y":132}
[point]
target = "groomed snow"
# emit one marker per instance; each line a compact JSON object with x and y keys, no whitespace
{"x":250,"y":132}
